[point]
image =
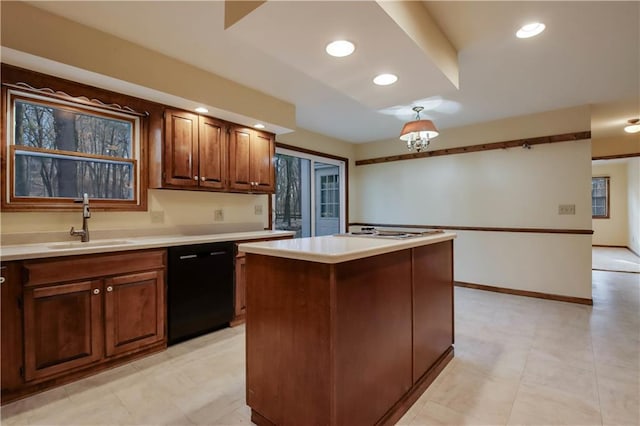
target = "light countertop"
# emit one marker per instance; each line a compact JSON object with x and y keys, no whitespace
{"x":337,"y":249}
{"x":71,"y":248}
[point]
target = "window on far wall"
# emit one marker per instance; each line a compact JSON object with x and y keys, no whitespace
{"x":59,"y":150}
{"x":600,"y":197}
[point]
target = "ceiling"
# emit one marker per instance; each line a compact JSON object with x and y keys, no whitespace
{"x":589,"y":54}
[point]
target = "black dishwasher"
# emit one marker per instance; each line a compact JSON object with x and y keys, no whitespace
{"x":200,"y":289}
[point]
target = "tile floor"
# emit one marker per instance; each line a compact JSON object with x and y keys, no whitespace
{"x":615,"y":259}
{"x":518,"y":361}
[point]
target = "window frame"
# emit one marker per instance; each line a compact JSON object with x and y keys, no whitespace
{"x":607,"y":215}
{"x":342,"y":162}
{"x":11,"y":202}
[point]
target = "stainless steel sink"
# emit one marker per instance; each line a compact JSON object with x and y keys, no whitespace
{"x":79,"y":244}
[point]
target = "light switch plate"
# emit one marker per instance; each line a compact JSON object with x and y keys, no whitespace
{"x":218,"y":215}
{"x":157,"y":216}
{"x":567,"y":209}
{"x":257,"y":209}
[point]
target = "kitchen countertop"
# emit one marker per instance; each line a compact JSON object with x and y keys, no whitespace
{"x":72,"y":248}
{"x":337,"y":249}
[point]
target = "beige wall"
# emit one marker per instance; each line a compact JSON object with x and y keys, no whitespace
{"x":177,"y":207}
{"x":625,"y":144}
{"x":633,"y":202}
{"x":499,"y":188}
{"x":613,"y":231}
{"x":97,"y":52}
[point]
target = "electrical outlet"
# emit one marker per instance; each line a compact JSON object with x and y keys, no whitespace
{"x":157,"y":216}
{"x":257,"y":209}
{"x":567,"y":209}
{"x":218,"y":215}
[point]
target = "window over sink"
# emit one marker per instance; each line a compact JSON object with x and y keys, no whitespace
{"x":59,"y":148}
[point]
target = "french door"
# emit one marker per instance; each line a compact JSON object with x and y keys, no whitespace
{"x":310,"y":194}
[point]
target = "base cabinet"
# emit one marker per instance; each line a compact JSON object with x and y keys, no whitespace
{"x":62,"y":328}
{"x":81,"y":314}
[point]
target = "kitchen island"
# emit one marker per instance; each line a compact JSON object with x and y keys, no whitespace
{"x":346,"y":330}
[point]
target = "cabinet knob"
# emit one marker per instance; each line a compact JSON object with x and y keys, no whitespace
{"x":202,"y":178}
{"x":109,"y":288}
{"x":96,"y":291}
{"x":1,"y":280}
{"x":195,"y":178}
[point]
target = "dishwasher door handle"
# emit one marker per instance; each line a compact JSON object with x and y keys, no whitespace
{"x":217,"y":253}
{"x":188,"y":256}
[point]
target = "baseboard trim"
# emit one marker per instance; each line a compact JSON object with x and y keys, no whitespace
{"x":526,"y":293}
{"x":613,"y":270}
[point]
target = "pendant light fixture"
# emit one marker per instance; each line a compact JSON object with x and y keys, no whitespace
{"x":634,"y":126}
{"x":418,"y":133}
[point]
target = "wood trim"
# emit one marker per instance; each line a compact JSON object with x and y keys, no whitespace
{"x":614,"y":270}
{"x":480,"y":228}
{"x":82,"y":94}
{"x":76,"y":154}
{"x":526,"y":293}
{"x":311,"y":152}
{"x":565,"y":137}
{"x":615,"y":156}
{"x":606,"y":245}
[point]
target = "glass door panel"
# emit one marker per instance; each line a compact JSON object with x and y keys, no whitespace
{"x":293,"y":195}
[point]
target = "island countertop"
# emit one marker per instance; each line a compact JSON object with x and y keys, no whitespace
{"x":339,"y":248}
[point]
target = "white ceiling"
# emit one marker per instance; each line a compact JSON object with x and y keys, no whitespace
{"x":589,"y":54}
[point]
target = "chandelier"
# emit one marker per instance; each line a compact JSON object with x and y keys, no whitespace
{"x":418,"y":133}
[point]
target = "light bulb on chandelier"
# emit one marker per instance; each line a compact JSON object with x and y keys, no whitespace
{"x":418,"y":133}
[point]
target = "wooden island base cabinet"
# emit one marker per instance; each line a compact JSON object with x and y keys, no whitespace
{"x":346,"y":343}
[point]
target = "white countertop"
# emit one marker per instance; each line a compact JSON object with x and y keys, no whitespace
{"x":55,"y":249}
{"x":336,"y":249}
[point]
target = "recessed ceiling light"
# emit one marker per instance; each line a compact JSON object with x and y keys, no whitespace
{"x":259,"y":126}
{"x":385,"y":79}
{"x":634,"y":126}
{"x":202,"y":110}
{"x":340,"y":48}
{"x":530,"y":30}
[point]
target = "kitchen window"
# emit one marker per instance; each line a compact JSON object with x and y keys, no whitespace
{"x":310,"y":196}
{"x":600,"y":197}
{"x":59,"y":149}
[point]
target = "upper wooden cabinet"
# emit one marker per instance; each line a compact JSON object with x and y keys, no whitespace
{"x":251,"y":155}
{"x":195,"y":150}
{"x":208,"y":154}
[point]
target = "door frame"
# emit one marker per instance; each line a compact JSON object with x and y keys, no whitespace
{"x":313,"y":156}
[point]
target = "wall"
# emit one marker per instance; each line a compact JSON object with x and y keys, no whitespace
{"x":613,"y":231}
{"x":70,"y":43}
{"x":106,"y":61}
{"x":514,"y":188}
{"x":633,"y":190}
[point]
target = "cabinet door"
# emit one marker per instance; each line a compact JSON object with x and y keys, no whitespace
{"x":11,"y":326}
{"x":262,"y":171}
{"x":134,"y":311}
{"x":212,"y":153}
{"x":239,"y":158}
{"x":241,"y":286}
{"x":432,"y":304}
{"x":62,"y":327}
{"x":181,"y":148}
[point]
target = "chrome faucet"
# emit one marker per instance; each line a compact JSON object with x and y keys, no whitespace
{"x":86,"y":214}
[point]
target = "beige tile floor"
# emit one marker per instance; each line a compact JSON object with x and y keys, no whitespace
{"x":518,"y":361}
{"x":615,"y":259}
